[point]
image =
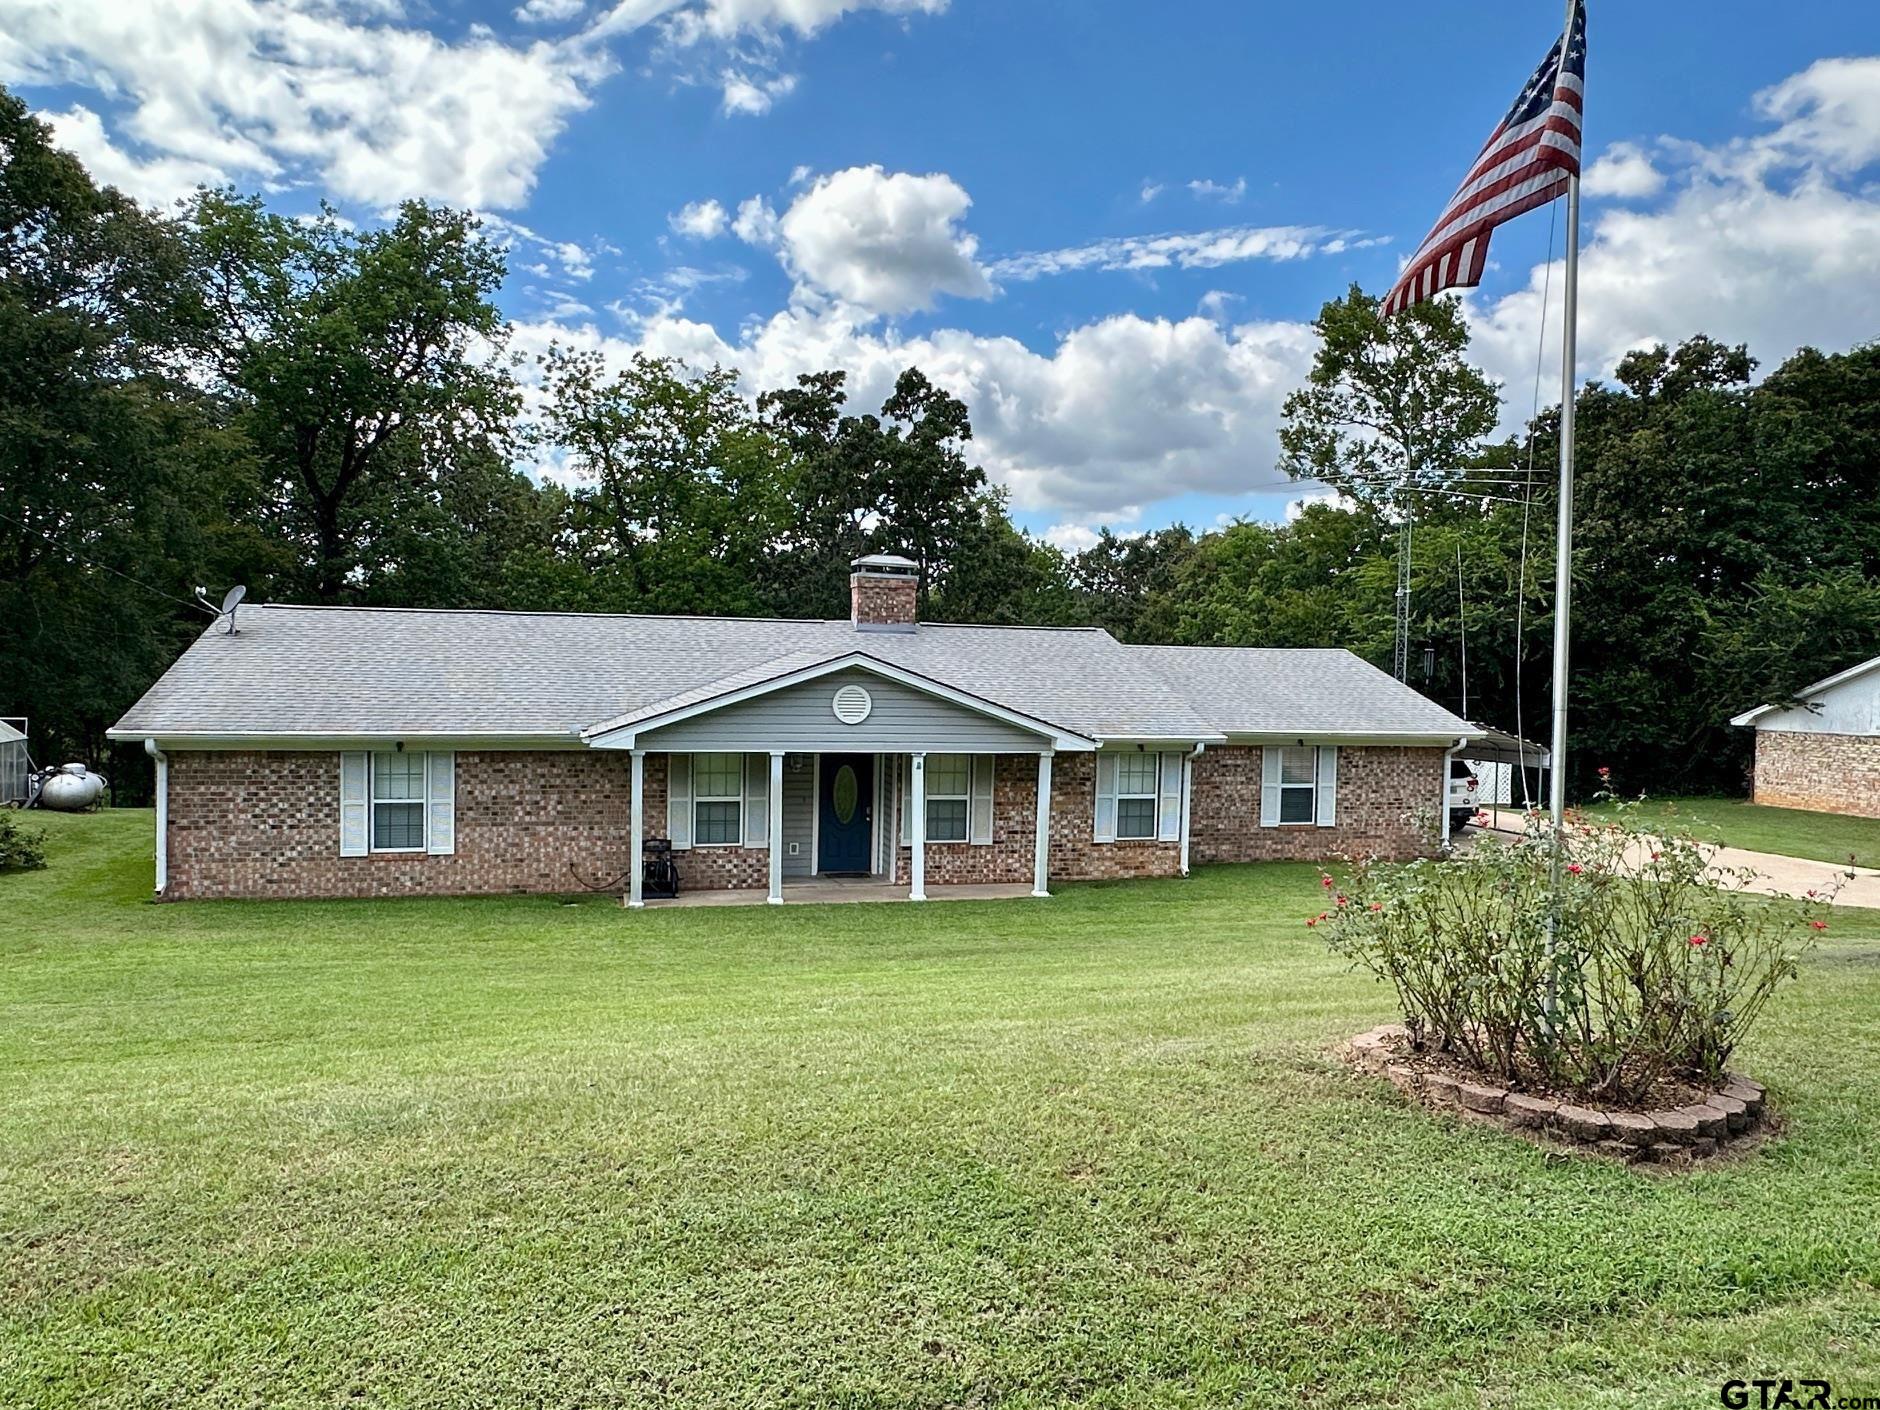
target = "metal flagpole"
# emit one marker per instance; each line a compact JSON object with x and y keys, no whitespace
{"x":1563,"y":550}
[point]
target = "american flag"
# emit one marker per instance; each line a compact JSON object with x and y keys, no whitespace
{"x":1527,"y":162}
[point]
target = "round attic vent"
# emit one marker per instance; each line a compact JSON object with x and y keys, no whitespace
{"x":852,"y":704}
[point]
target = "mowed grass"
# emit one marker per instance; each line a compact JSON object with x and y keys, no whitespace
{"x":1086,"y":1151}
{"x":1792,"y":832}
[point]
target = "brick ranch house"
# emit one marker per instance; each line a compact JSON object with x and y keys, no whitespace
{"x":1821,"y":751}
{"x":333,"y":751}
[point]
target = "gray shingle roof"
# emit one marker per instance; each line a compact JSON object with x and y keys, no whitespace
{"x":1280,"y":690}
{"x":379,"y":671}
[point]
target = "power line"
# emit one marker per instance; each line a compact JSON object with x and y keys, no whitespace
{"x":106,"y":567}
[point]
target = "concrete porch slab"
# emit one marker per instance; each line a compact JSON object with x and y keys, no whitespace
{"x":837,"y":890}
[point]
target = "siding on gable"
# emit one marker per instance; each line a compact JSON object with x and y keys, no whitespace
{"x":800,"y":718}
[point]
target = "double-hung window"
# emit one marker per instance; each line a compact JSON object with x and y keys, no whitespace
{"x":398,"y":802}
{"x":1136,"y":778}
{"x":1298,"y":785}
{"x":717,"y":800}
{"x":949,"y":793}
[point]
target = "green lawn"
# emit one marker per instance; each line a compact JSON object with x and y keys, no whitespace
{"x":1090,"y":1150}
{"x":1823,"y":837}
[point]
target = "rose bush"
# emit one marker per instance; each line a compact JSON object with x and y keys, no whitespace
{"x":1658,"y":964}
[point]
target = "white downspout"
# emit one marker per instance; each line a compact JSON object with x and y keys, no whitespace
{"x":1188,"y":786}
{"x":1449,"y":758}
{"x":163,"y":813}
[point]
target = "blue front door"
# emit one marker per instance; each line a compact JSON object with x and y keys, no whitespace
{"x":845,"y":812}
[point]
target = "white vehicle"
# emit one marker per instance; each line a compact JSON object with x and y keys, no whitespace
{"x":1464,"y":792}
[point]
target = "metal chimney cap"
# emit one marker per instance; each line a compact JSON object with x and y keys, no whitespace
{"x":884,"y":563}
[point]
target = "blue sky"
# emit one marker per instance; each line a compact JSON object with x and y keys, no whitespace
{"x":1104,"y":223}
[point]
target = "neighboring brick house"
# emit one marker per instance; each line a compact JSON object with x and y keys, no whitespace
{"x":1821,"y":751}
{"x":321,"y":751}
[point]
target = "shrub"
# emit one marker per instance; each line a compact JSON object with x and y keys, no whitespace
{"x":20,"y":850}
{"x":1658,"y":965}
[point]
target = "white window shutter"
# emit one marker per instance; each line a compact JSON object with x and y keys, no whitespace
{"x":1269,"y":785}
{"x":979,"y":829}
{"x":440,"y":805}
{"x":679,"y":800}
{"x":354,"y":833}
{"x":907,"y":801}
{"x":1168,"y":812}
{"x":1327,"y":776}
{"x":1106,"y":798}
{"x":757,"y":800}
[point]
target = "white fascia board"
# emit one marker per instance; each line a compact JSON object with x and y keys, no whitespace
{"x":1160,"y":741}
{"x":621,"y":735}
{"x":1407,"y":738}
{"x":1806,"y":695}
{"x":302,"y":739}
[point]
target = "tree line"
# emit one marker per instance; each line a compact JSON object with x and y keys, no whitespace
{"x":326,"y":413}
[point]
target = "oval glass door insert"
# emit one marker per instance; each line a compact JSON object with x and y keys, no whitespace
{"x":845,"y":794}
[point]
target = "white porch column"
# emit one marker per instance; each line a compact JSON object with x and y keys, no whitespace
{"x":917,"y":824}
{"x":1041,"y":860}
{"x":636,"y":834}
{"x":776,"y":827}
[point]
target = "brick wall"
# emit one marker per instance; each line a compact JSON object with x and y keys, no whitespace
{"x":1825,"y":773}
{"x":1387,"y":807}
{"x":1011,"y":856}
{"x":246,"y":823}
{"x":267,"y":824}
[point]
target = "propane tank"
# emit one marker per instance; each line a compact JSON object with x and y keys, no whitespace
{"x":71,"y":789}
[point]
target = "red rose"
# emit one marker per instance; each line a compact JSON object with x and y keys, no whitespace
{"x":1819,"y":924}
{"x":1574,"y":868}
{"x":1700,"y":939}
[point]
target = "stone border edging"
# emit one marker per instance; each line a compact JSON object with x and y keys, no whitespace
{"x":1698,"y":1131}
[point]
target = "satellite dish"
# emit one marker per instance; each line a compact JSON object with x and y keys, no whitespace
{"x":230,"y":601}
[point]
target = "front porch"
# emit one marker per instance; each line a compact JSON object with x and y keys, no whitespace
{"x":815,"y":825}
{"x":832,"y":890}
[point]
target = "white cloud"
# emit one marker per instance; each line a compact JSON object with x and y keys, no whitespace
{"x":1772,"y":240}
{"x":1296,"y":507}
{"x":1119,"y":413}
{"x":156,"y":181}
{"x":277,"y":90}
{"x":563,"y":259}
{"x":756,"y":223}
{"x":1231,"y":195}
{"x":1077,"y":535}
{"x":549,"y":11}
{"x":884,"y":242}
{"x":355,"y":97}
{"x":1624,"y":171}
{"x":1829,"y":114}
{"x":700,"y":220}
{"x":726,"y":20}
{"x":748,"y":96}
{"x":1150,"y":190}
{"x":1203,"y":249}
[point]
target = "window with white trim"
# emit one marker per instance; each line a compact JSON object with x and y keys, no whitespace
{"x":1298,"y":785}
{"x":949,"y":796}
{"x":1136,"y":793}
{"x":717,"y":800}
{"x":397,"y":801}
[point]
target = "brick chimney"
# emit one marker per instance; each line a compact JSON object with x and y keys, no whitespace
{"x":884,"y":590}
